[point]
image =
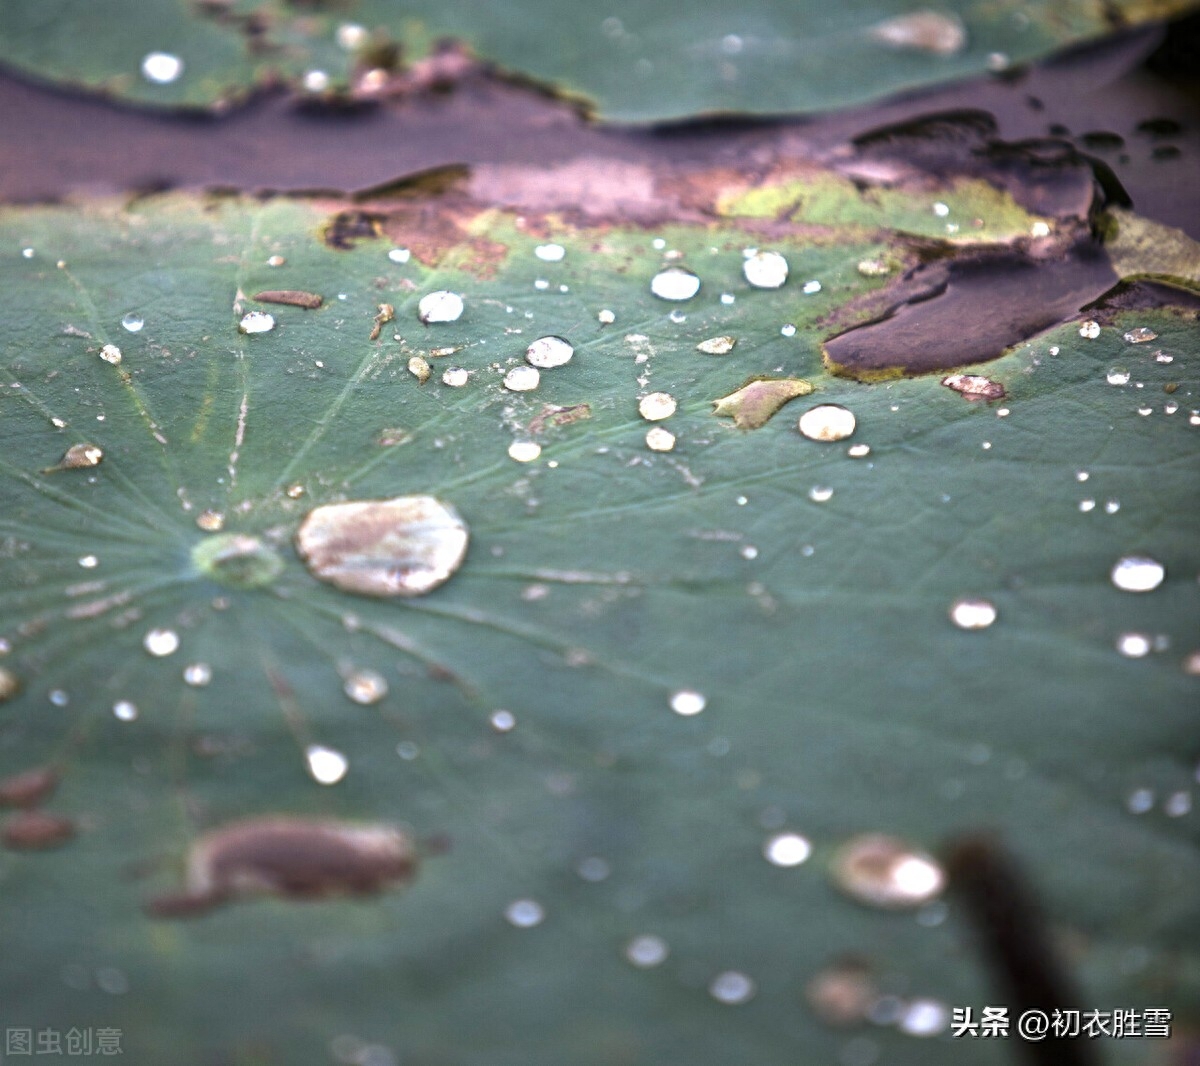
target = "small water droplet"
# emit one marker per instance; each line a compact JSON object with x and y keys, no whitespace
{"x":940,"y":209}
{"x":502,"y":721}
{"x":1170,"y":407}
{"x":827,"y":422}
{"x":125,"y":711}
{"x":89,"y":562}
{"x":606,"y":317}
{"x":675,"y":283}
{"x":688,"y":702}
{"x":276,"y":261}
{"x":549,"y":352}
{"x":440,"y":306}
{"x":1082,"y":475}
{"x":550,"y":253}
{"x":407,"y":750}
{"x":524,"y":913}
{"x":1040,"y":229}
{"x":1137,"y":573}
{"x":646,"y":951}
{"x":656,"y":406}
{"x":1087,"y":505}
{"x":133,"y":322}
{"x":256,"y":322}
{"x":924,"y":1017}
{"x":1117,"y":375}
{"x":727,"y":298}
{"x":59,"y":698}
{"x":1140,"y":335}
{"x":1145,"y":410}
{"x":522,"y":379}
{"x":969,"y":613}
{"x":210,"y":521}
{"x":399,"y":255}
{"x":593,"y":869}
{"x":365,"y":686}
{"x":858,"y":451}
{"x":27,"y":253}
{"x":162,"y":68}
{"x":455,"y":376}
{"x":1112,"y":506}
{"x":883,"y":871}
{"x":732,"y":987}
{"x":820,"y":493}
{"x":197,"y":674}
{"x":350,"y":36}
{"x":110,"y":353}
{"x":1140,"y":801}
{"x":748,"y":551}
{"x":659,"y":439}
{"x":1089,"y":330}
{"x":541,"y":284}
{"x":524,"y":451}
{"x":161,"y":642}
{"x":765,"y":270}
{"x":786,"y":849}
{"x":717,"y":345}
{"x":1177,"y":804}
{"x":1163,"y":357}
{"x":658,"y":244}
{"x":811,"y":287}
{"x":325,"y":765}
{"x":1134,"y":645}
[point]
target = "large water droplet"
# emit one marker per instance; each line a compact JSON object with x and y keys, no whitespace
{"x":133,"y":322}
{"x":524,"y":451}
{"x":326,"y":765}
{"x":524,"y":913}
{"x":548,"y":352}
{"x":1137,"y":573}
{"x":786,"y":849}
{"x":675,"y":283}
{"x":656,"y":406}
{"x":456,"y":377}
{"x":659,"y":439}
{"x":161,"y":642}
{"x":162,"y":68}
{"x":971,"y":613}
{"x":883,"y":871}
{"x":765,"y":270}
{"x":688,"y":702}
{"x":405,"y":546}
{"x":1140,"y":335}
{"x":80,"y":456}
{"x":732,"y":987}
{"x":1117,"y":375}
{"x":646,"y":951}
{"x":827,"y":421}
{"x":440,"y":306}
{"x":365,"y":686}
{"x":550,"y":253}
{"x":237,"y":560}
{"x":522,"y":379}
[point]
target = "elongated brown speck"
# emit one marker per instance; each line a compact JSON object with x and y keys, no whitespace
{"x":291,"y":297}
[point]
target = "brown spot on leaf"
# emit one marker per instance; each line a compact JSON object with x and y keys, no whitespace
{"x":78,"y":457}
{"x":28,"y":788}
{"x":843,"y":992}
{"x":294,"y":858}
{"x":346,"y":227}
{"x":752,"y":406}
{"x":291,"y":297}
{"x":553,"y":415}
{"x":34,"y":830}
{"x":386,"y":313}
{"x":974,"y":387}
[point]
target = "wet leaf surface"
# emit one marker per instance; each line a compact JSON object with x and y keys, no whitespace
{"x":659,"y":698}
{"x":631,"y":62}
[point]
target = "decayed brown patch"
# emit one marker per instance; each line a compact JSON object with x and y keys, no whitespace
{"x":291,"y":297}
{"x":552,"y":415}
{"x":28,"y":788}
{"x":346,"y":227}
{"x":34,"y":830}
{"x":974,"y":387}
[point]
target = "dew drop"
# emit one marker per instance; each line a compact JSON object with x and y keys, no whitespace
{"x":717,"y":345}
{"x":524,"y":451}
{"x":125,"y":711}
{"x":858,"y":451}
{"x":276,"y":261}
{"x":1134,"y":645}
{"x":728,"y":298}
{"x":89,"y":562}
{"x":765,"y":270}
{"x":1087,"y":505}
{"x":748,"y":551}
{"x":503,"y":721}
{"x":659,"y":439}
{"x":549,"y":352}
{"x":197,"y":674}
{"x":133,"y":322}
{"x":524,"y":913}
{"x":969,"y":613}
{"x":786,"y":849}
{"x":1140,"y":801}
{"x":656,"y":406}
{"x":1039,"y":229}
{"x":522,"y":379}
{"x":28,"y":253}
{"x":80,"y":456}
{"x":110,"y":353}
{"x":365,"y":687}
{"x":924,"y":1017}
{"x":811,"y":287}
{"x":646,"y":951}
{"x":820,"y":494}
{"x":1117,"y":375}
{"x":256,"y":322}
{"x":161,"y":68}
{"x":456,"y":377}
{"x":1112,"y":506}
{"x":1163,"y":357}
{"x":675,"y":283}
{"x":550,"y":253}
{"x":827,"y":422}
{"x":161,"y":642}
{"x":787,"y":330}
{"x":1089,"y":330}
{"x":350,"y":36}
{"x":1145,"y":410}
{"x":1137,"y":573}
{"x":883,"y":871}
{"x":940,"y":209}
{"x":606,"y":317}
{"x":1177,"y":804}
{"x":59,"y":698}
{"x":325,"y":765}
{"x":688,"y":702}
{"x":541,"y":284}
{"x":732,"y":988}
{"x":406,"y":546}
{"x":1140,"y":335}
{"x":210,"y":521}
{"x":924,"y":31}
{"x":440,"y":306}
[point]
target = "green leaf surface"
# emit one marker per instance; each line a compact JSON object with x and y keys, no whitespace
{"x":630,"y":61}
{"x":601,"y":579}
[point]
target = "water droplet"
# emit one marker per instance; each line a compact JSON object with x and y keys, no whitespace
{"x":276,"y":261}
{"x":940,"y":209}
{"x":748,"y":551}
{"x":524,"y":451}
{"x":407,"y":750}
{"x":732,"y":987}
{"x":89,"y":562}
{"x":1089,"y":330}
{"x":924,"y":31}
{"x":811,"y":287}
{"x":210,"y":521}
{"x":1145,"y":410}
{"x":110,"y":353}
{"x":786,"y":849}
{"x":256,"y":322}
{"x":522,"y":379}
{"x":727,"y":298}
{"x":688,"y":702}
{"x":59,"y":698}
{"x":133,"y":322}
{"x":548,"y":352}
{"x":1117,"y":375}
{"x":827,"y":422}
{"x":997,"y":62}
{"x":28,"y":253}
{"x":315,"y":81}
{"x":593,"y":869}
{"x":1140,"y":335}
{"x":80,"y":456}
{"x":1087,"y":505}
{"x":883,"y":871}
{"x":968,"y":613}
{"x":656,"y":406}
{"x":365,"y":686}
{"x":1134,"y":645}
{"x":675,"y":283}
{"x":606,"y":317}
{"x":405,"y":546}
{"x":1140,"y":801}
{"x":717,"y":345}
{"x":541,"y":284}
{"x":161,"y":642}
{"x":456,"y":377}
{"x":924,"y":1017}
{"x":350,"y":36}
{"x":1137,"y":573}
{"x":440,"y":306}
{"x":1191,"y":665}
{"x":1163,"y":357}
{"x":765,"y":270}
{"x":550,"y":253}
{"x":658,"y":244}
{"x":1112,"y":506}
{"x":503,"y":721}
{"x":1082,"y":475}
{"x":1177,"y":804}
{"x":524,"y":913}
{"x":858,"y":451}
{"x":678,"y":317}
{"x":646,"y":951}
{"x":162,"y":68}
{"x":659,"y":439}
{"x":1170,"y":407}
{"x":326,"y":765}
{"x":399,"y":255}
{"x":1040,"y":229}
{"x":197,"y":674}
